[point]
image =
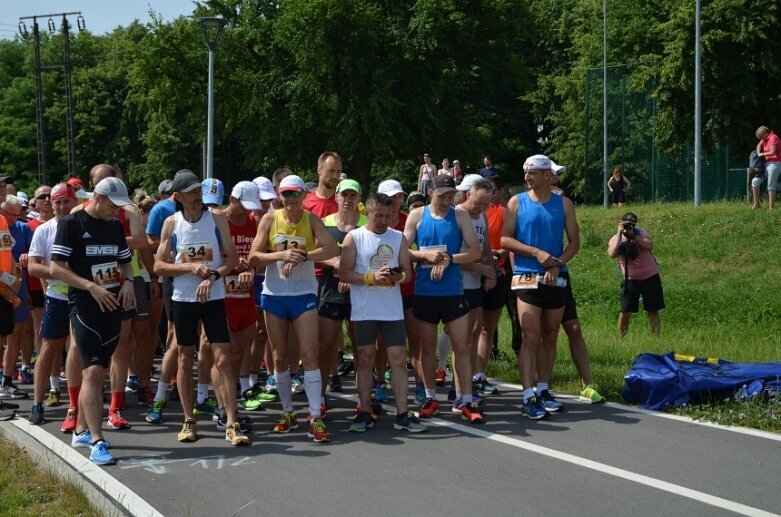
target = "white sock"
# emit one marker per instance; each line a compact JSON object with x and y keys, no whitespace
{"x":162,"y":388}
{"x":203,"y":393}
{"x":527,"y":394}
{"x":54,"y":382}
{"x":444,"y":350}
{"x":479,"y":376}
{"x":283,"y":388}
{"x":313,"y":386}
{"x":542,"y":386}
{"x":253,"y":378}
{"x":244,"y":383}
{"x":431,"y":394}
{"x":25,"y":367}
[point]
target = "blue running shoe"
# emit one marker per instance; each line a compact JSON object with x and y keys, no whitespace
{"x":271,"y":384}
{"x":457,"y":405}
{"x":155,"y":413}
{"x":100,"y":455}
{"x":380,"y":394}
{"x":133,"y":384}
{"x":533,"y":409}
{"x":420,"y":396}
{"x":297,"y":384}
{"x":550,"y":404}
{"x":36,"y":414}
{"x":81,"y":441}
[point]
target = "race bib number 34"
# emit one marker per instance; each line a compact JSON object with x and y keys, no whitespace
{"x":196,"y":252}
{"x":106,"y":275}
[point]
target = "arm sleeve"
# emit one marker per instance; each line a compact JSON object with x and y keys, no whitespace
{"x":63,"y":240}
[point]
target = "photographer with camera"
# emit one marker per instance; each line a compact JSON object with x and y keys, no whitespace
{"x":632,"y":247}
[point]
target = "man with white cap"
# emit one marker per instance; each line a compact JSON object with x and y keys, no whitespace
{"x":91,"y":255}
{"x":534,"y":225}
{"x":239,"y":296}
{"x":439,"y":232}
{"x":288,"y":243}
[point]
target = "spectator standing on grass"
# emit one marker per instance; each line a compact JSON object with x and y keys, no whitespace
{"x":426,"y":175}
{"x":632,"y":247}
{"x":769,"y":149}
{"x":445,"y":168}
{"x":489,"y":170}
{"x":618,"y":184}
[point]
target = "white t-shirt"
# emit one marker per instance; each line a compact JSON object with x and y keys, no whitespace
{"x":41,"y":247}
{"x":373,"y":251}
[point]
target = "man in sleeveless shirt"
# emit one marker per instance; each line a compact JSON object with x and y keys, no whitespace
{"x":192,"y":246}
{"x":288,"y":242}
{"x":439,"y":232}
{"x":534,"y":224}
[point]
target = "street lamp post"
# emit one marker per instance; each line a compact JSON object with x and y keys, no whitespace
{"x":211,"y":27}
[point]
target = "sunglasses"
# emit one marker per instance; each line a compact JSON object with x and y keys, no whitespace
{"x":43,"y":196}
{"x":291,"y":194}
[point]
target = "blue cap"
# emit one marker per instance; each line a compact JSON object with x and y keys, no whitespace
{"x":213,"y":191}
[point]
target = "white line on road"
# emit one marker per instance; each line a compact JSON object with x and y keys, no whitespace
{"x":105,"y":482}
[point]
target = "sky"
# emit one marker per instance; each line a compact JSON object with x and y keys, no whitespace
{"x":100,"y":16}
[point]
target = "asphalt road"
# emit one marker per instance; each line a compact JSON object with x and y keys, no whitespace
{"x":589,"y":460}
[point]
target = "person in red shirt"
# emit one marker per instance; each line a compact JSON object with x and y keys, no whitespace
{"x":322,"y":200}
{"x":768,"y":148}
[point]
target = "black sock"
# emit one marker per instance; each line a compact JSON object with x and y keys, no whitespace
{"x":7,"y":380}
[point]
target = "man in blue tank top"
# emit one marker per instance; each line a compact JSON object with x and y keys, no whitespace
{"x":533,"y":228}
{"x":439,"y":231}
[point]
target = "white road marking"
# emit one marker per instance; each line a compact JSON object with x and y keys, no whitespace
{"x":623,"y":474}
{"x":105,"y":482}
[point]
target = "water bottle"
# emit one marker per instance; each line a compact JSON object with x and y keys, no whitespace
{"x":9,"y":295}
{"x":560,"y":282}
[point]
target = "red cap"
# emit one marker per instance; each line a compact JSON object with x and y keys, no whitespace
{"x":63,"y":191}
{"x":75,"y":182}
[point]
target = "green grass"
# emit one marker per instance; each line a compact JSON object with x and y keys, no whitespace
{"x":28,"y":490}
{"x":720,"y":270}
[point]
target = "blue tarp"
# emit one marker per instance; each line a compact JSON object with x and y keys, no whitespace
{"x":657,"y":381}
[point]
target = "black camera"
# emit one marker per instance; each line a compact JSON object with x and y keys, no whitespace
{"x":628,"y":227}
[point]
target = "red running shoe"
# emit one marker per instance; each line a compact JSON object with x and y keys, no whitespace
{"x":471,"y":413}
{"x":69,"y":424}
{"x":117,"y":421}
{"x":429,"y":409}
{"x":440,"y":377}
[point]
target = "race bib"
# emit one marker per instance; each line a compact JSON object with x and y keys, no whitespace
{"x":6,"y":241}
{"x":196,"y":252}
{"x":106,"y":275}
{"x":233,"y":290}
{"x":18,"y":271}
{"x":442,"y":247}
{"x":281,"y":242}
{"x":525,"y":281}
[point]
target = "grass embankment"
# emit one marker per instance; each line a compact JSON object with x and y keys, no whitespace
{"x":720,"y":270}
{"x":27,"y":489}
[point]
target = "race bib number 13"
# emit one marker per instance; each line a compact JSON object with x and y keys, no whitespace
{"x":282,"y":242}
{"x":106,"y":275}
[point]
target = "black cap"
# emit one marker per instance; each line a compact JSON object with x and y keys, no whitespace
{"x":444,"y":183}
{"x":414,"y":197}
{"x":185,"y":181}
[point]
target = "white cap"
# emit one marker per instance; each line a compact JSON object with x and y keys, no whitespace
{"x":114,"y":190}
{"x":248,"y":195}
{"x":265,"y":188}
{"x":390,"y":188}
{"x":538,"y":161}
{"x":468,"y":182}
{"x":292,"y":182}
{"x":557,"y":169}
{"x":23,"y":197}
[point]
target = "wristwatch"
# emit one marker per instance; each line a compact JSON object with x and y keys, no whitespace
{"x":215,"y":273}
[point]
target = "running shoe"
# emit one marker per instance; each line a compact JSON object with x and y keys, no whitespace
{"x":206,"y":407}
{"x":261,"y":394}
{"x":53,"y":398}
{"x":36,"y":414}
{"x":380,"y":394}
{"x":189,"y":432}
{"x":388,"y":375}
{"x":63,"y":375}
{"x":99,"y":454}
{"x":335,"y":385}
{"x":429,"y":409}
{"x":249,"y":402}
{"x":155,"y":413}
{"x":590,"y":394}
{"x":459,"y":403}
{"x":132,"y":385}
{"x":235,"y":435}
{"x":69,"y":423}
{"x":271,"y":384}
{"x":533,"y":409}
{"x":81,"y":440}
{"x":345,"y":366}
{"x":361,"y":422}
{"x":323,"y":409}
{"x":440,"y":377}
{"x":550,"y":404}
{"x":481,"y":384}
{"x":12,"y":392}
{"x":472,"y":413}
{"x":243,"y":421}
{"x":25,"y":376}
{"x":317,"y":431}
{"x":409,"y":422}
{"x":145,"y":397}
{"x":117,"y":421}
{"x":420,"y":396}
{"x":297,"y":385}
{"x":451,"y":394}
{"x":287,"y":422}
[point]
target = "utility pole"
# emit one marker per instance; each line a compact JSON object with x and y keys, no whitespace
{"x":39,"y":67}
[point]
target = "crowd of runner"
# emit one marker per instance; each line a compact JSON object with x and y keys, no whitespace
{"x":261,"y":290}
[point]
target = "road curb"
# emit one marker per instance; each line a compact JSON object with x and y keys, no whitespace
{"x":105,"y":492}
